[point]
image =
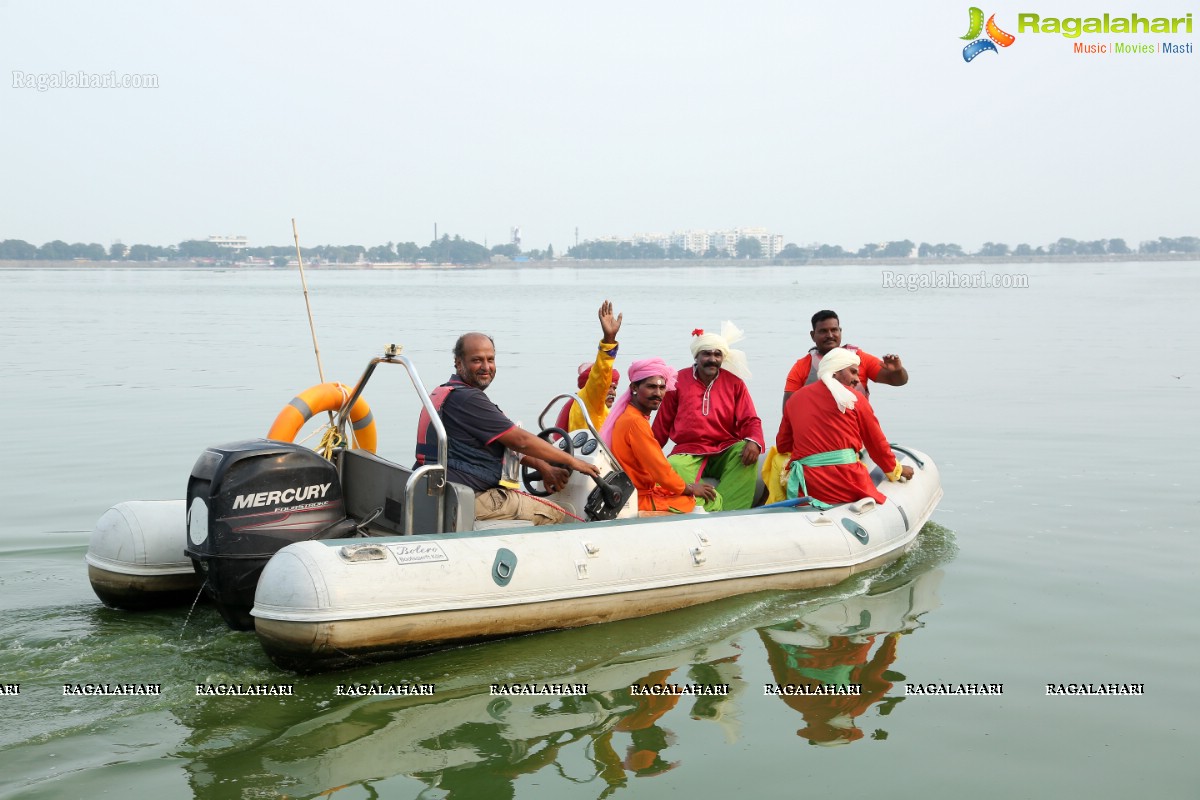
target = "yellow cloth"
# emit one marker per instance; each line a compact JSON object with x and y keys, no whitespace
{"x":595,"y":391}
{"x":774,"y":475}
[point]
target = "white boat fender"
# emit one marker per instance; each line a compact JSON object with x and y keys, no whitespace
{"x":135,"y":556}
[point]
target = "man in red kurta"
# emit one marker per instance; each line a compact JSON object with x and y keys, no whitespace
{"x":712,"y":420}
{"x":629,"y":437}
{"x":823,"y":426}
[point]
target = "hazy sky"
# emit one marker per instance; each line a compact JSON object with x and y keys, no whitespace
{"x":369,"y":122}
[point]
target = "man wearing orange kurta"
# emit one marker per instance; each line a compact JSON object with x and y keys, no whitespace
{"x":627,"y":434}
{"x":826,"y":335}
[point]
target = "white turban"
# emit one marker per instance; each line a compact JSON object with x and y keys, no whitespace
{"x":734,"y":360}
{"x":836,"y":360}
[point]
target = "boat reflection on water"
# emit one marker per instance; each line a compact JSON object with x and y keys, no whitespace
{"x":465,"y":741}
{"x":645,"y":740}
{"x":832,"y":647}
{"x":605,"y":737}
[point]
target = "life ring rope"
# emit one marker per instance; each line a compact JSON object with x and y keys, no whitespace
{"x":325,"y":397}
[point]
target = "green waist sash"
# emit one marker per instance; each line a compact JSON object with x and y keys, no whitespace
{"x":796,"y":487}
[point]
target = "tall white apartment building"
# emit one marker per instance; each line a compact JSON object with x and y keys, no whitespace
{"x":694,"y":241}
{"x":699,"y":242}
{"x":726,"y":240}
{"x":771,"y":243}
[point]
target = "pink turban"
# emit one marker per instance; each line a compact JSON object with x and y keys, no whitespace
{"x":638,"y":372}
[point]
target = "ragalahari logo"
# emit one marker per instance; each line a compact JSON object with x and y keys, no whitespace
{"x":995,"y":36}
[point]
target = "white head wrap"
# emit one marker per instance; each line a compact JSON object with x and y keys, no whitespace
{"x":836,"y":360}
{"x":734,"y":360}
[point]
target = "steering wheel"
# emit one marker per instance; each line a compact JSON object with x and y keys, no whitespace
{"x":529,"y":474}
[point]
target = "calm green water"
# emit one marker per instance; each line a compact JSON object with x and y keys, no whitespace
{"x":1061,"y":416}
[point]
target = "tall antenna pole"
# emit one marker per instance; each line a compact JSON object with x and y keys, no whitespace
{"x":307,"y":305}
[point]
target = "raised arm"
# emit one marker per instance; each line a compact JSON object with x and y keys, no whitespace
{"x":595,"y":390}
{"x":892,"y":372}
{"x":609,"y":325}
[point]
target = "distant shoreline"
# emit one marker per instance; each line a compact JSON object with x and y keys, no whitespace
{"x":624,"y":263}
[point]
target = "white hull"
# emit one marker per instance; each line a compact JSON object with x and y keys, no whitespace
{"x":322,"y":604}
{"x":135,"y":556}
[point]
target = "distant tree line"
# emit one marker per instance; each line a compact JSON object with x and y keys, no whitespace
{"x":456,"y":250}
{"x":752,"y":248}
{"x":600,"y":250}
{"x":1063,"y":247}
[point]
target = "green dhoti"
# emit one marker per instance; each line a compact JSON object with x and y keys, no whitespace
{"x":735,"y":480}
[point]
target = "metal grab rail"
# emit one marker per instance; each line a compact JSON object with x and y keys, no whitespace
{"x":392,"y":355}
{"x":587,"y":418}
{"x":410,"y":491}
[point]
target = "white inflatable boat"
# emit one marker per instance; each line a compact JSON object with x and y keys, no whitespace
{"x":330,"y":603}
{"x":358,"y":559}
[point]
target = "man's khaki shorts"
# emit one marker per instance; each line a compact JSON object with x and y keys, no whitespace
{"x":501,"y":503}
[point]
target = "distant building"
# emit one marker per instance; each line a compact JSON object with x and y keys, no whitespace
{"x":230,"y":242}
{"x":693,"y":241}
{"x":699,"y":242}
{"x":771,"y":243}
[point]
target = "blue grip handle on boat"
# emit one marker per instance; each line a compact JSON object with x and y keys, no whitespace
{"x":796,"y":501}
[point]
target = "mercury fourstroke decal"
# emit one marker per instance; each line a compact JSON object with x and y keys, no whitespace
{"x":297,"y":495}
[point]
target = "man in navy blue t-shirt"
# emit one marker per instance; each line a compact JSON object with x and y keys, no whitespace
{"x":478,"y":432}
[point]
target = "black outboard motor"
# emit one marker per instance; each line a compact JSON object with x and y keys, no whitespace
{"x":245,"y":501}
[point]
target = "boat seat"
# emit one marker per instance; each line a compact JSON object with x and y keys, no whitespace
{"x":374,"y":487}
{"x":460,"y":508}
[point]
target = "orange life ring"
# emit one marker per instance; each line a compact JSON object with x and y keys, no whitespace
{"x":324,"y":397}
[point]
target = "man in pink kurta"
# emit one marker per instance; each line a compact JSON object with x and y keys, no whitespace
{"x":707,"y":419}
{"x":712,"y":420}
{"x":823,"y":427}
